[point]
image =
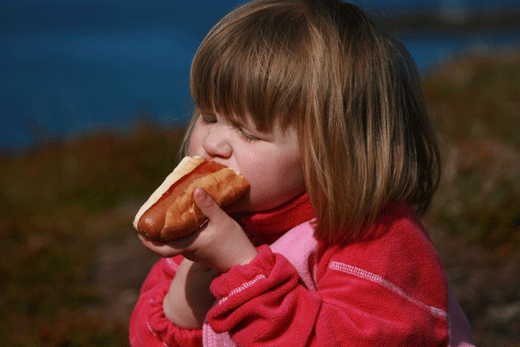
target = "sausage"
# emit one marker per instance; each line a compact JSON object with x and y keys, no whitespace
{"x":171,"y":212}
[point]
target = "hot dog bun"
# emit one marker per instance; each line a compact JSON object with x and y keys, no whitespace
{"x":171,"y":212}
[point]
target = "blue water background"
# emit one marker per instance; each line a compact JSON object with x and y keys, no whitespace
{"x":63,"y":74}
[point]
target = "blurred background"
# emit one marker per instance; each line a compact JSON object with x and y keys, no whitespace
{"x":93,"y":103}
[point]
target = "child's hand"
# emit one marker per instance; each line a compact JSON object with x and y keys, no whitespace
{"x":220,"y":244}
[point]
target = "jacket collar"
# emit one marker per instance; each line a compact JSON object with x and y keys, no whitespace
{"x":266,"y":227}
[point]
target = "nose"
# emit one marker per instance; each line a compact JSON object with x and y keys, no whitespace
{"x":217,"y":142}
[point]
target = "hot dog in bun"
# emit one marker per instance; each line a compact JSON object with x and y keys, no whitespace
{"x":171,"y":212}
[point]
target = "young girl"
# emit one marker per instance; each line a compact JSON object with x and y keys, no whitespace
{"x":323,"y":114}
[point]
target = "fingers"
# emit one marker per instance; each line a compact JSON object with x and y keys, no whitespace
{"x":220,"y":244}
{"x":225,"y":242}
{"x":207,"y":205}
{"x":202,"y":198}
{"x":163,"y":249}
{"x":184,"y":245}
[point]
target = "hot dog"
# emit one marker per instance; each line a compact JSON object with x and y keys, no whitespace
{"x":171,"y":212}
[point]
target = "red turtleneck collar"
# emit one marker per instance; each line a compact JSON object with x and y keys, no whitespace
{"x":267,"y":227}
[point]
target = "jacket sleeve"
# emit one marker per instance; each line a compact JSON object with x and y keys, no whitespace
{"x":148,"y":324}
{"x":263,"y":303}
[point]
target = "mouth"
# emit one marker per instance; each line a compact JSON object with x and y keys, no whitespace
{"x":239,"y":206}
{"x":216,"y":160}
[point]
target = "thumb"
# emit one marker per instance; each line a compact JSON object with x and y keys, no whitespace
{"x":207,"y":205}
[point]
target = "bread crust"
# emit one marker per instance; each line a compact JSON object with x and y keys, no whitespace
{"x":185,"y":166}
{"x":183,"y":216}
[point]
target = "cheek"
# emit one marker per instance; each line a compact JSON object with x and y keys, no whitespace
{"x":195,"y":142}
{"x":191,"y":148}
{"x":273,"y":185}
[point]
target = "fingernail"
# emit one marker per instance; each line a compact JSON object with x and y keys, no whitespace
{"x":200,"y":194}
{"x":202,"y":198}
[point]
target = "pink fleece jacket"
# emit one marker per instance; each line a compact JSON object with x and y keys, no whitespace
{"x":388,"y":289}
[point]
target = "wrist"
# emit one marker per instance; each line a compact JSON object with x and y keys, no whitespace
{"x":180,"y":315}
{"x":248,"y":256}
{"x":168,"y":310}
{"x":189,"y":299}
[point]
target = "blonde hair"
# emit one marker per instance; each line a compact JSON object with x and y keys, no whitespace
{"x":351,"y":92}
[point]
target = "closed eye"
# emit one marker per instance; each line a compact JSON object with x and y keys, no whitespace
{"x":208,"y":118}
{"x":247,"y":136}
{"x":245,"y":132}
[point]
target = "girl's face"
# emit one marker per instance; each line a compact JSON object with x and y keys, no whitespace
{"x":269,"y":161}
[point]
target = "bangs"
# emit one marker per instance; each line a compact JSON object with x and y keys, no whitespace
{"x":241,"y":69}
{"x":351,"y":92}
